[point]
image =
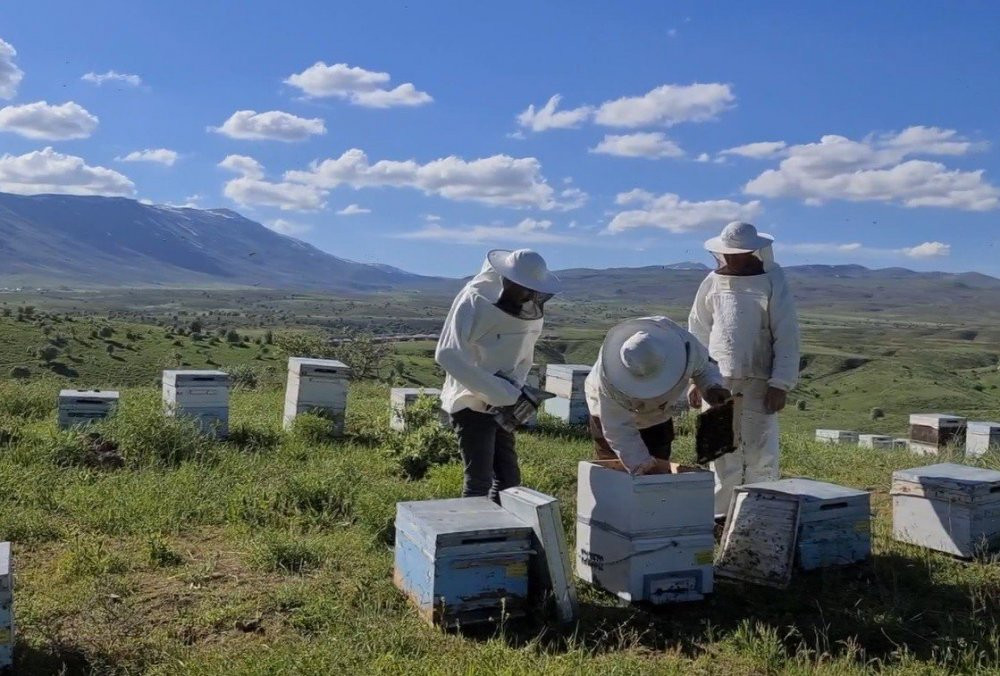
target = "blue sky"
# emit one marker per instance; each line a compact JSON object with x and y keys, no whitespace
{"x":401,"y":133}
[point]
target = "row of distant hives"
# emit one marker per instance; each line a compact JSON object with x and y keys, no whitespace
{"x":930,"y":433}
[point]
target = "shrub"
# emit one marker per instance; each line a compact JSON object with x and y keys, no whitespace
{"x":312,"y":428}
{"x":47,"y":353}
{"x":244,"y":376}
{"x":425,"y":443}
{"x":106,"y":332}
{"x":254,"y":438}
{"x":232,"y":336}
{"x":20,"y":372}
{"x":800,"y":405}
{"x":876,"y":414}
{"x":145,"y":436}
{"x":160,"y":554}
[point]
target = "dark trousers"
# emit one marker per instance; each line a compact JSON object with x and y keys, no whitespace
{"x":487,"y":453}
{"x":658,"y":440}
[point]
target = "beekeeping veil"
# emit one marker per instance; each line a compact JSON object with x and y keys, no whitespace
{"x":525,"y":282}
{"x":740,"y":238}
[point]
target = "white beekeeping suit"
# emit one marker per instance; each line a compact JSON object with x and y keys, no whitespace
{"x":751,"y":329}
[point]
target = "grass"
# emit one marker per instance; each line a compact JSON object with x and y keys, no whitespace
{"x":270,"y":553}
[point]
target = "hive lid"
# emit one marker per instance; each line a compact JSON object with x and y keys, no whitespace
{"x":680,"y":474}
{"x":808,"y":489}
{"x":980,"y":427}
{"x":459,"y":521}
{"x":567,"y":369}
{"x":759,"y":541}
{"x":936,"y":419}
{"x":334,"y":367}
{"x":93,"y":394}
{"x":949,"y":474}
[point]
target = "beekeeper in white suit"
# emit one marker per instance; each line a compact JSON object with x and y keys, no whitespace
{"x":744,"y":313}
{"x":642,"y":370}
{"x":487,"y":347}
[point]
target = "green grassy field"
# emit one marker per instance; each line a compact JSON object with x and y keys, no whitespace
{"x":271,"y":553}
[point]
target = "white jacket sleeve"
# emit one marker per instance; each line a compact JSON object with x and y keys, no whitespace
{"x":704,"y":371}
{"x":784,"y":334}
{"x":622,"y":435}
{"x":700,"y":317}
{"x":453,"y":354}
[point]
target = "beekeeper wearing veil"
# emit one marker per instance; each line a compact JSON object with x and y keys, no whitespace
{"x":486,"y":349}
{"x":744,"y":313}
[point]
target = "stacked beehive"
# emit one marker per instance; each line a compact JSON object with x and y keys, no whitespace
{"x":566,"y":381}
{"x":645,"y":538}
{"x":931,"y":433}
{"x":81,"y":407}
{"x":317,"y":386}
{"x":402,"y":398}
{"x":836,"y":437}
{"x":462,"y":561}
{"x":948,"y":507}
{"x":981,"y":437}
{"x":201,"y":395}
{"x":875,"y":441}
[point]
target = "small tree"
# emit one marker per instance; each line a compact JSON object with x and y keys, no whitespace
{"x":48,"y":353}
{"x":800,"y":404}
{"x":196,"y":326}
{"x":106,"y":332}
{"x":877,"y":414}
{"x":232,"y":336}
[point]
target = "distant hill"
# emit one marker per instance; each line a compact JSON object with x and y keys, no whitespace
{"x":52,"y":240}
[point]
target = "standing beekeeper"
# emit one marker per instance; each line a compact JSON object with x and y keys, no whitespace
{"x":744,"y":313}
{"x":642,"y":370}
{"x":486,"y":348}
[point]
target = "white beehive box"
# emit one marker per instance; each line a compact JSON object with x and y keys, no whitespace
{"x":931,"y":433}
{"x":6,"y":607}
{"x":318,"y":386}
{"x":948,"y":507}
{"x":875,"y":441}
{"x":566,"y":380}
{"x":570,"y":411}
{"x":836,"y":437}
{"x":402,"y":398}
{"x":200,"y":395}
{"x":981,"y":437}
{"x":645,"y":538}
{"x":80,"y":407}
{"x":900,"y":444}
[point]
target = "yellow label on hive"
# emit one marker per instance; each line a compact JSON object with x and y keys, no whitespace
{"x":517,"y":570}
{"x":704,"y":558}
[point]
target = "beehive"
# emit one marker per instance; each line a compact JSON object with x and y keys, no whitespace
{"x":570,"y":411}
{"x":836,"y":437}
{"x":948,"y":507}
{"x":832,"y":526}
{"x":402,"y":398}
{"x":201,"y":395}
{"x":462,"y":561}
{"x":317,"y":386}
{"x":930,"y":433}
{"x":981,"y":437}
{"x":900,"y":444}
{"x":81,"y":407}
{"x":645,"y":538}
{"x":566,"y":381}
{"x":875,"y":441}
{"x":6,"y":607}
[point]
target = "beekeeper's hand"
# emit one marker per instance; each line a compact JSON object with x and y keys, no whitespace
{"x":717,"y":396}
{"x":654,"y":466}
{"x":694,"y":397}
{"x":775,"y":399}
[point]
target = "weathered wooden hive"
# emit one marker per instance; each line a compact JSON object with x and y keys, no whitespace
{"x":317,"y":386}
{"x":948,"y":507}
{"x":836,"y":437}
{"x":981,"y":437}
{"x":645,"y":538}
{"x":81,"y":407}
{"x":875,"y":441}
{"x":462,"y":561}
{"x":201,"y":395}
{"x":931,"y":433}
{"x":566,"y":381}
{"x":402,"y":398}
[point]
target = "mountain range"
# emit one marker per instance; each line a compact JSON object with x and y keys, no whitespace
{"x":99,"y":242}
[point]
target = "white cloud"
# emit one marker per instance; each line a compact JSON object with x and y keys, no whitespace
{"x":112,"y":76}
{"x":757,"y":150}
{"x":928,"y":250}
{"x":877,"y":169}
{"x":10,"y":74}
{"x":357,"y":85}
{"x":646,"y":144}
{"x":528,"y":231}
{"x":432,"y":218}
{"x":667,"y":105}
{"x":812,"y":248}
{"x":672,"y":33}
{"x":46,"y":171}
{"x":157,"y":155}
{"x":288,"y":228}
{"x":670,"y":212}
{"x":250,"y":188}
{"x":704,"y":157}
{"x":353,"y":210}
{"x":547,"y":117}
{"x":41,"y":121}
{"x":273,"y":125}
{"x":498,"y":180}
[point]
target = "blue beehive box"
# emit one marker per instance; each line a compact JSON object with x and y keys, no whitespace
{"x":462,"y":561}
{"x":834,"y":521}
{"x":6,"y":607}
